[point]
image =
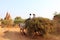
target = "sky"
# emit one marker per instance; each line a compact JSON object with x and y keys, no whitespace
{"x":22,"y":8}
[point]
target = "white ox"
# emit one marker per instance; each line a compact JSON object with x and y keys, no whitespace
{"x":22,"y":28}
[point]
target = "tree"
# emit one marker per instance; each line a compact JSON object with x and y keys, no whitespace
{"x":7,"y":22}
{"x":18,"y":20}
{"x":57,"y":22}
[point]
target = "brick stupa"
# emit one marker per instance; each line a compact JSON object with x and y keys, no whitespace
{"x":8,"y":17}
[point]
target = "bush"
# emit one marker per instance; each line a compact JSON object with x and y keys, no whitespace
{"x":7,"y":23}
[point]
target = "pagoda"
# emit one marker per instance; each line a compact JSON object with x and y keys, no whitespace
{"x":8,"y":17}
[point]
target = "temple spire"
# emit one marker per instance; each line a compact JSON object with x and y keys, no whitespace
{"x":8,"y":17}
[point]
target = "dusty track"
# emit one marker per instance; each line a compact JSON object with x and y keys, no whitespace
{"x":14,"y":34}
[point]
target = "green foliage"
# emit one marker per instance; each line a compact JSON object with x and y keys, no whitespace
{"x":7,"y":22}
{"x":18,"y":20}
{"x":38,"y":25}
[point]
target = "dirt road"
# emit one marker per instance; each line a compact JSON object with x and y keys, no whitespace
{"x":14,"y":34}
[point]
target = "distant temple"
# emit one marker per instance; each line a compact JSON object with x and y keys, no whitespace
{"x":8,"y":17}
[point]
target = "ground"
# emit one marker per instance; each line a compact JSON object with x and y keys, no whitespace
{"x":14,"y":34}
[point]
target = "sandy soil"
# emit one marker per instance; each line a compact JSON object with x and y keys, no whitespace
{"x":14,"y":34}
{"x":9,"y":33}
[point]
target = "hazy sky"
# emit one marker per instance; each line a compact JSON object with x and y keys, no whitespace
{"x":43,"y":8}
